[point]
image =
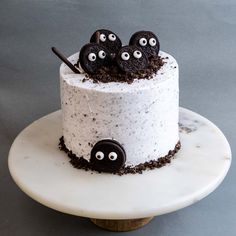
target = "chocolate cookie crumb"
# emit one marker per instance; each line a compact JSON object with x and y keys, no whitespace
{"x":81,"y":163}
{"x":114,"y":74}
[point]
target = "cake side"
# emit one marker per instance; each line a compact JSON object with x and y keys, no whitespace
{"x":142,"y":116}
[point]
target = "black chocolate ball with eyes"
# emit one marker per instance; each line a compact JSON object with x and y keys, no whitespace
{"x":92,"y":57}
{"x":146,"y":40}
{"x":107,"y":156}
{"x":108,"y":39}
{"x":131,"y":59}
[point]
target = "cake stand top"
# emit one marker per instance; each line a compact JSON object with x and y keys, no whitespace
{"x":44,"y":173}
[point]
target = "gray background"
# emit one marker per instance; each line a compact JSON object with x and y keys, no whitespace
{"x":200,"y":34}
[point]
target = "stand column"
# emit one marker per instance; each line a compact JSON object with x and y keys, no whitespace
{"x":121,"y":225}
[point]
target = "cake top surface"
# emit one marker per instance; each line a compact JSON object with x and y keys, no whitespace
{"x":166,"y":71}
{"x":104,"y":64}
{"x":105,"y":59}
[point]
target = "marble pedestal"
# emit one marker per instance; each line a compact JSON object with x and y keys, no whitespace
{"x":127,"y":202}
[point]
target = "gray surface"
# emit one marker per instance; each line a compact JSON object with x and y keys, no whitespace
{"x":200,"y":34}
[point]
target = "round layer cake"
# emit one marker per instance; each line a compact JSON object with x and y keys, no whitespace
{"x":141,"y":116}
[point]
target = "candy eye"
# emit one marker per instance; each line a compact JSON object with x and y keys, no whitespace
{"x":99,"y":155}
{"x":143,"y":42}
{"x":92,"y":56}
{"x":125,"y":56}
{"x":137,"y":54}
{"x":103,"y":37}
{"x":112,"y":37}
{"x":101,"y":54}
{"x":112,"y":156}
{"x":152,"y":42}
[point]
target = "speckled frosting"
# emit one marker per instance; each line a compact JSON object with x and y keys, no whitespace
{"x":141,"y":116}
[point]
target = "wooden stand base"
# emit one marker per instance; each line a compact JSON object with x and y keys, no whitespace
{"x":121,"y":225}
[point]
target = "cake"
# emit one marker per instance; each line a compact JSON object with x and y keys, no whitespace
{"x":120,"y":118}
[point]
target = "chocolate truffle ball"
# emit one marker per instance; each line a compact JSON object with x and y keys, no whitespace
{"x":107,"y":156}
{"x":131,"y":59}
{"x":147,"y":41}
{"x":108,"y":39}
{"x":92,"y":57}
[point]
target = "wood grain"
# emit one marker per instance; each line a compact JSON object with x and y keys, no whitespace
{"x":121,"y":225}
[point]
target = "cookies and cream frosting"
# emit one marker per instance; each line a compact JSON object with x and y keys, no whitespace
{"x":142,"y":116}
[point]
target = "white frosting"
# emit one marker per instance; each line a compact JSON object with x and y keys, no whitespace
{"x":142,"y":116}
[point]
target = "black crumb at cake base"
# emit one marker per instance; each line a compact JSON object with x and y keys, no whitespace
{"x":113,"y":73}
{"x":81,"y":163}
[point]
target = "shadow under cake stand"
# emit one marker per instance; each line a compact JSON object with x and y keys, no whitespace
{"x":119,"y":203}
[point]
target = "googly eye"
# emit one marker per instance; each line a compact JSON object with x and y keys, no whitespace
{"x":99,"y":155}
{"x":102,"y":37}
{"x":112,"y":156}
{"x":137,"y":54}
{"x":101,"y":54}
{"x":143,"y":42}
{"x":112,"y":37}
{"x":152,"y":42}
{"x":125,"y":56}
{"x":92,"y":56}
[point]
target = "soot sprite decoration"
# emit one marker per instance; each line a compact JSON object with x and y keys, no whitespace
{"x":105,"y":59}
{"x":131,"y":59}
{"x":108,"y":39}
{"x":92,"y":57}
{"x":107,"y":156}
{"x":147,"y":41}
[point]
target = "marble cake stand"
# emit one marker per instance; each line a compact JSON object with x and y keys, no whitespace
{"x":119,"y":203}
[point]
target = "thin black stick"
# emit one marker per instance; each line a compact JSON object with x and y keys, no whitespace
{"x":97,"y":37}
{"x":64,"y":59}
